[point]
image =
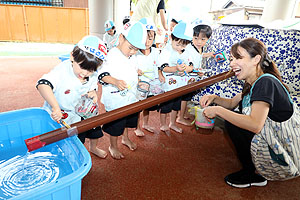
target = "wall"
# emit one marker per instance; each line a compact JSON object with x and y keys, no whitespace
{"x":99,"y":12}
{"x":76,"y":3}
{"x":102,"y":10}
{"x":43,"y":24}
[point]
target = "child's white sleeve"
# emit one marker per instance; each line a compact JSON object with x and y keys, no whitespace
{"x":134,"y":62}
{"x":163,"y":58}
{"x":102,"y":72}
{"x":104,"y":37}
{"x":94,"y":84}
{"x":104,"y":68}
{"x":55,"y":76}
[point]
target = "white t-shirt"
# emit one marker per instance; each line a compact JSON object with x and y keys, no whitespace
{"x":170,"y":56}
{"x":195,"y":56}
{"x":110,"y":41}
{"x":122,"y":68}
{"x":148,"y":64}
{"x":68,"y":89}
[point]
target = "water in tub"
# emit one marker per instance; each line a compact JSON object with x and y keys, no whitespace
{"x":22,"y":171}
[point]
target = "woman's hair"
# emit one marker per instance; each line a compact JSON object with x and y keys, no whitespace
{"x":205,"y":29}
{"x":86,"y":60}
{"x":181,"y":41}
{"x":256,"y":47}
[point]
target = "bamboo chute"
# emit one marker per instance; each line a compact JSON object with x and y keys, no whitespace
{"x":85,"y":125}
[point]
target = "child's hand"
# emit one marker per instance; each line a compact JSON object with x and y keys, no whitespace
{"x":140,"y":72}
{"x":56,"y":114}
{"x":180,"y":73}
{"x":180,"y":67}
{"x":93,"y":95}
{"x":166,"y":38}
{"x":200,"y":73}
{"x":162,"y":79}
{"x":121,"y":85}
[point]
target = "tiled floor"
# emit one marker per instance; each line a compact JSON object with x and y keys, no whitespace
{"x":190,"y":165}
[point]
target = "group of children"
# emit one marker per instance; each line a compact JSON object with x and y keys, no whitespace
{"x":119,"y":63}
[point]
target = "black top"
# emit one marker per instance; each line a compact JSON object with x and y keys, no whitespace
{"x":160,"y":6}
{"x":269,"y":90}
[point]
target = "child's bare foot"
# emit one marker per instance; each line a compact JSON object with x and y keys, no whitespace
{"x":175,"y":128}
{"x":139,"y":133}
{"x":183,"y":122}
{"x":165,"y":129}
{"x":99,"y":152}
{"x":148,"y":128}
{"x":190,"y":117}
{"x":132,"y":146}
{"x":115,"y":153}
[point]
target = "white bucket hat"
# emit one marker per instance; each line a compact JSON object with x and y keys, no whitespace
{"x":136,"y":34}
{"x":93,"y":45}
{"x":149,"y":24}
{"x":183,"y":30}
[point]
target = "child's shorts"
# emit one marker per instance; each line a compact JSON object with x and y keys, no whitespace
{"x":153,"y":108}
{"x":94,"y":133}
{"x":187,"y":97}
{"x":117,"y":127}
{"x":174,"y":104}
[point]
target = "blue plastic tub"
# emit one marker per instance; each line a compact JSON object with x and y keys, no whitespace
{"x":64,"y":57}
{"x":53,"y":172}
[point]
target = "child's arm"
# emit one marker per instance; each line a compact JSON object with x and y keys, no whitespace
{"x":93,"y":95}
{"x":200,"y":74}
{"x":47,"y":93}
{"x":140,"y":72}
{"x":120,"y":84}
{"x":209,"y":54}
{"x":189,"y":68}
{"x":161,"y":77}
{"x":171,"y":69}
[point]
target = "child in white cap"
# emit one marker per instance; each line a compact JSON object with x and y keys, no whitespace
{"x":110,"y":36}
{"x":147,"y":60}
{"x":119,"y":79}
{"x":201,"y":34}
{"x":64,"y":85}
{"x":175,"y":64}
{"x":173,"y":23}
